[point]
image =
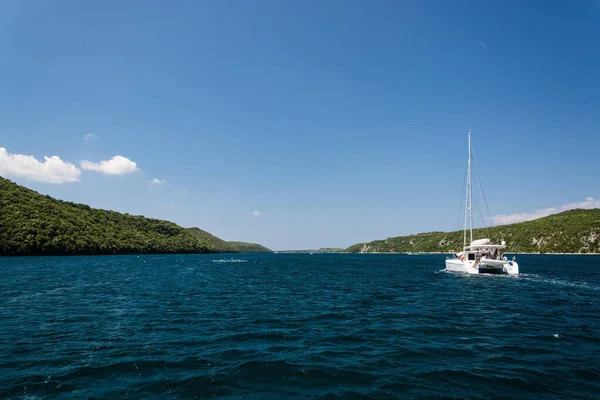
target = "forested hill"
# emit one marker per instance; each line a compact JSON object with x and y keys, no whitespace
{"x":574,"y":231}
{"x":34,"y":224}
{"x":223,"y":246}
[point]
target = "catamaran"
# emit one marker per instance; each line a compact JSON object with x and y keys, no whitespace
{"x":480,"y":256}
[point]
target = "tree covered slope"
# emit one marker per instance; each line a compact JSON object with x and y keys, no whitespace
{"x":227,"y":247}
{"x":34,"y":224}
{"x":574,"y":231}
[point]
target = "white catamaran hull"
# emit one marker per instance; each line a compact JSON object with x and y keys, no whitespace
{"x":465,"y":267}
{"x":484,"y":266}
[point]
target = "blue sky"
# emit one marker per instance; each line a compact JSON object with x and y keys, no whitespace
{"x":302,"y":124}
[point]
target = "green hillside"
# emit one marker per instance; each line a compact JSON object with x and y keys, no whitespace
{"x":574,"y":231}
{"x":227,"y":247}
{"x":244,"y":247}
{"x":34,"y":224}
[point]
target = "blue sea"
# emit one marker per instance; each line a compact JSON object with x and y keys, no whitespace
{"x":297,"y":326}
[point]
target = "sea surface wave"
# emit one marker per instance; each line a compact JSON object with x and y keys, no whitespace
{"x":321,"y":326}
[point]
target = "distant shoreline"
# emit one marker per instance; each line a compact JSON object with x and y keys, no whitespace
{"x":508,"y":252}
{"x":426,"y":253}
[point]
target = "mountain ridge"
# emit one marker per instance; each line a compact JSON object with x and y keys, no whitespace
{"x":574,"y":231}
{"x":35,"y":224}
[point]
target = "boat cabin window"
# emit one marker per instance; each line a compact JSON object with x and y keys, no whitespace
{"x":471,"y":256}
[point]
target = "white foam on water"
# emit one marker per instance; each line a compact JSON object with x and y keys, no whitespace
{"x":559,"y":282}
{"x":230,"y":260}
{"x":480,"y":275}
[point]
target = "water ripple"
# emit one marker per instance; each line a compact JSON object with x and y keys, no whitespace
{"x":278,"y":326}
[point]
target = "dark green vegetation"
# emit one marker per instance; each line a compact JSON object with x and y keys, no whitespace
{"x":34,"y":224}
{"x":223,"y":246}
{"x":574,"y":231}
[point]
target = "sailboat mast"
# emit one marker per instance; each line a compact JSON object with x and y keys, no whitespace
{"x":467,"y":195}
{"x":470,"y":189}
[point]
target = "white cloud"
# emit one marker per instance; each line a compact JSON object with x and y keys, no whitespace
{"x":118,"y":165}
{"x":512,"y":218}
{"x":52,"y":170}
{"x":256,"y":213}
{"x":504,"y":219}
{"x":156,"y":181}
{"x":90,"y":136}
